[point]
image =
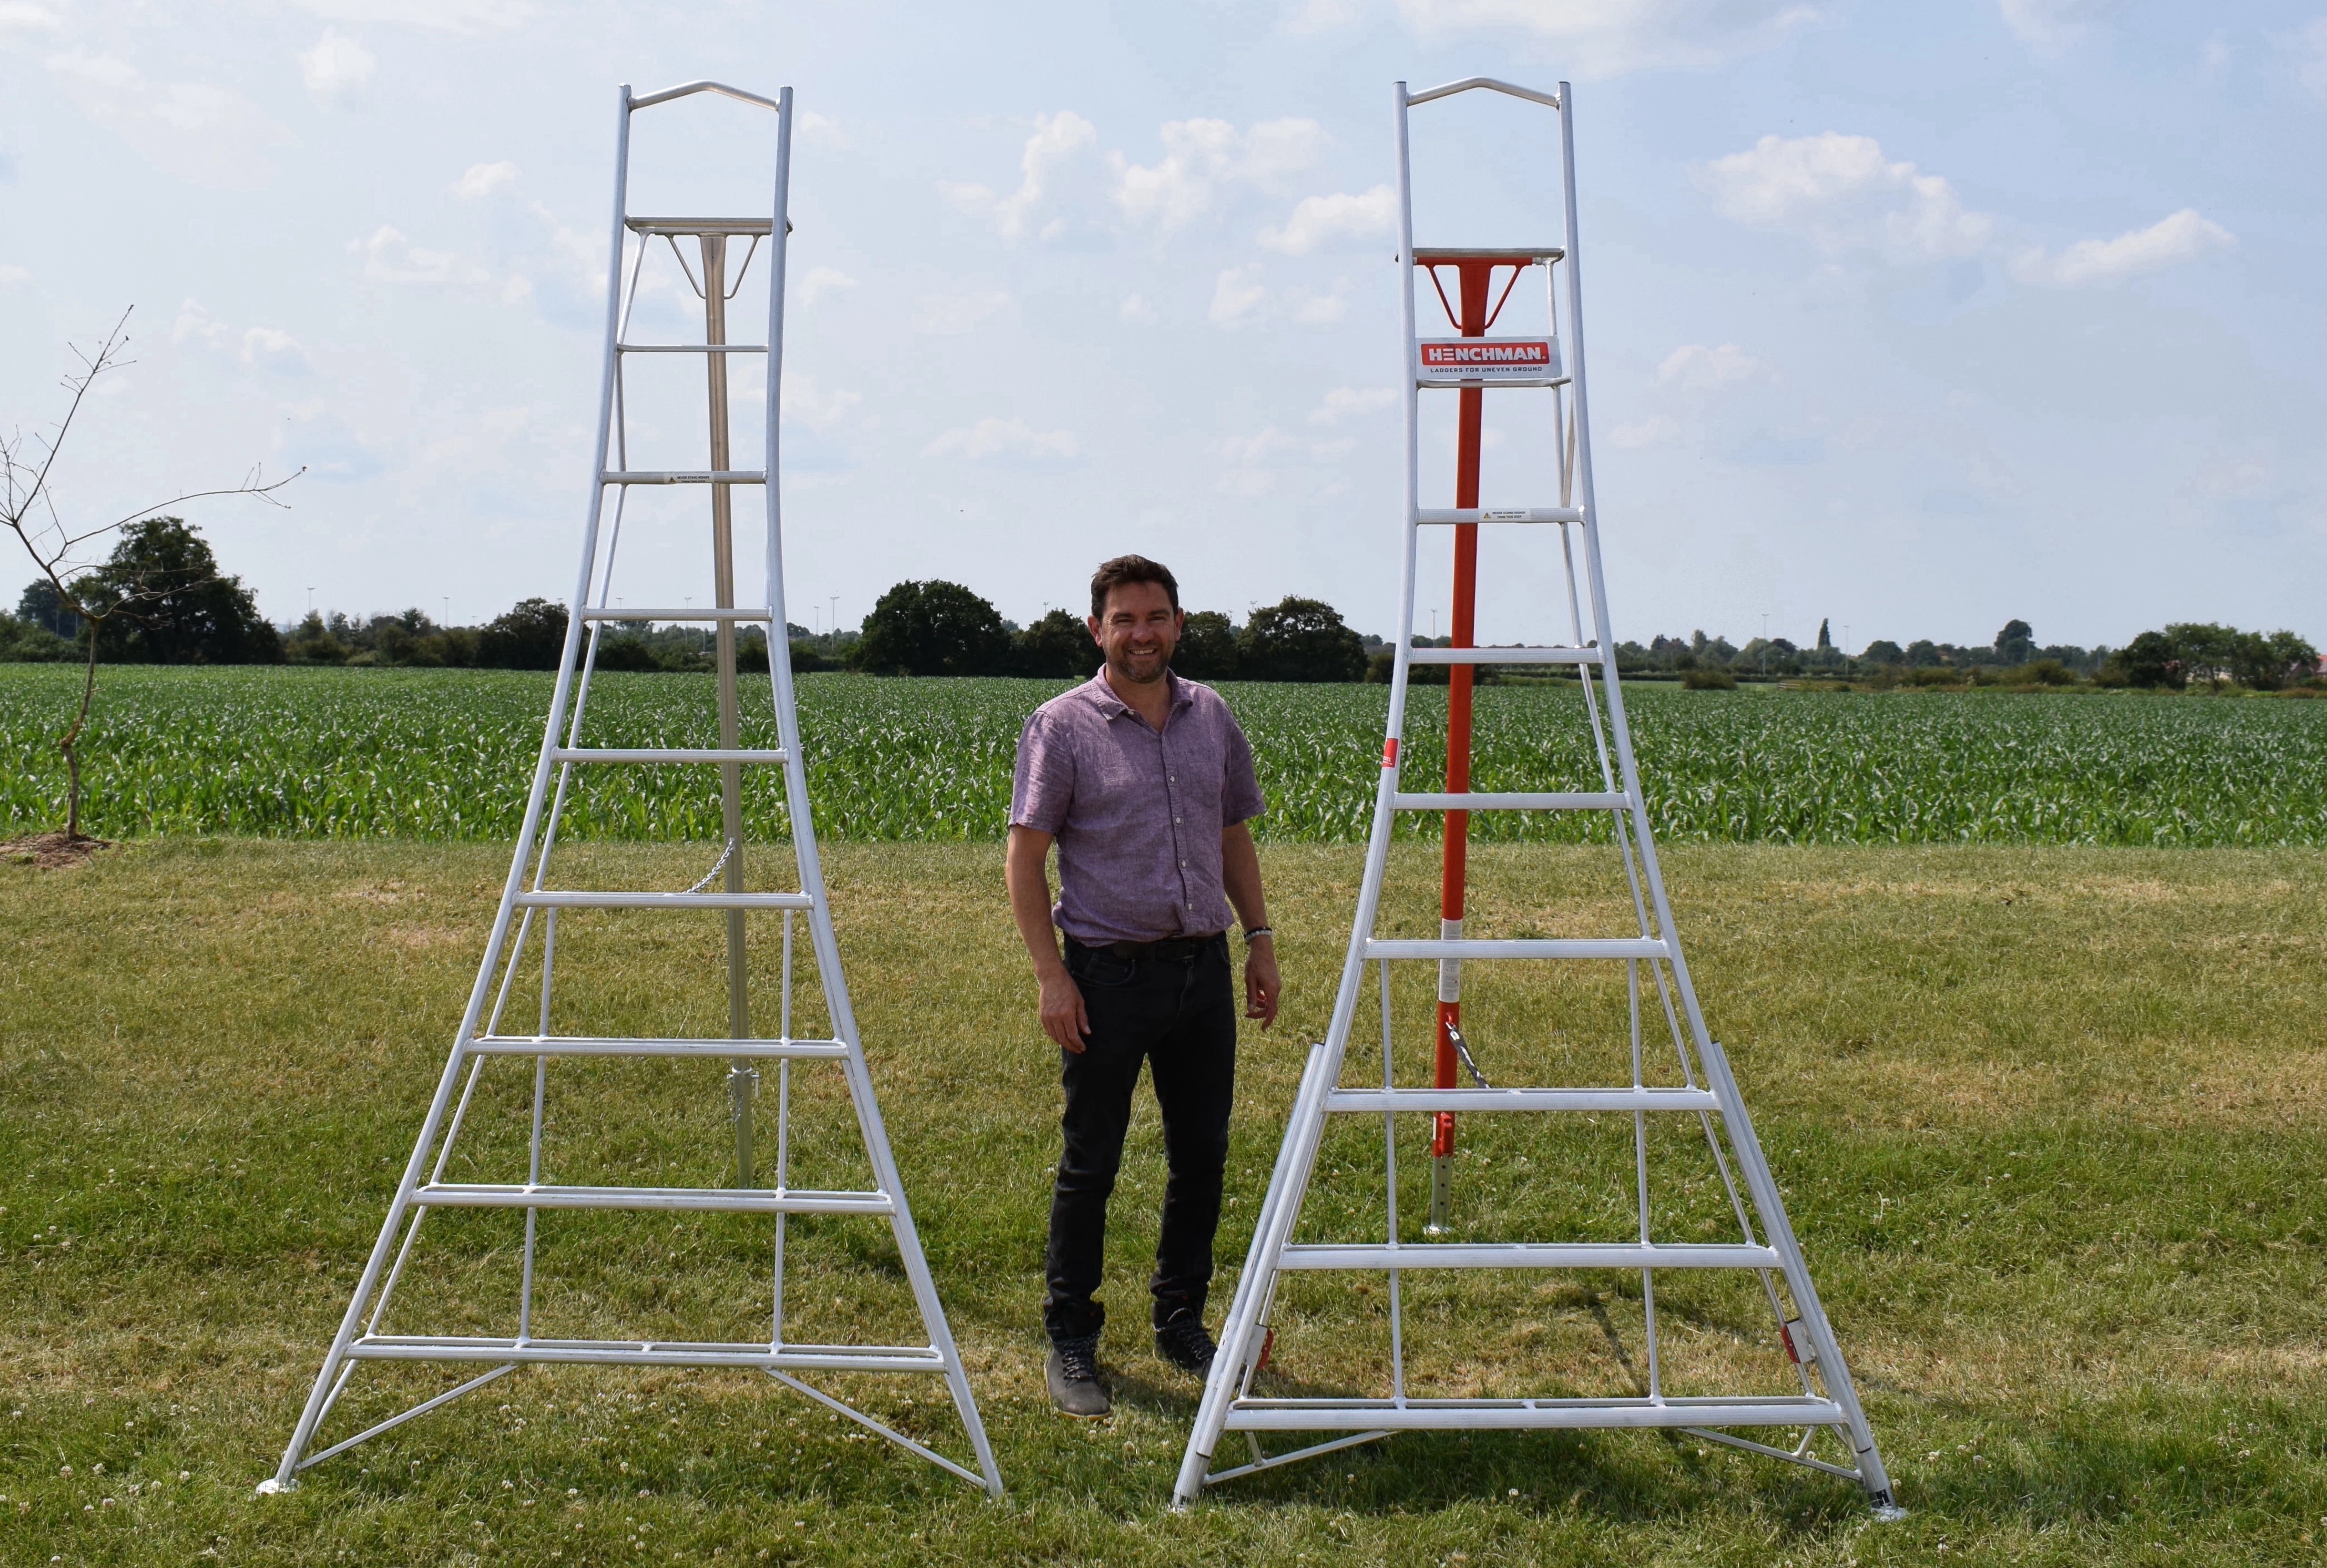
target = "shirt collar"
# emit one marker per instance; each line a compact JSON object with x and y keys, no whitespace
{"x":1102,"y":695}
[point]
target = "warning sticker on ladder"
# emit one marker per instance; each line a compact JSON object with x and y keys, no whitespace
{"x":1449,"y":360}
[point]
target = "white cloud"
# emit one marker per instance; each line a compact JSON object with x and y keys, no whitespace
{"x":196,"y":131}
{"x":1605,"y":37}
{"x":483,"y":179}
{"x":2310,"y":58}
{"x":2182,"y":236}
{"x":1321,"y":309}
{"x":822,"y":131}
{"x":1351,"y":403}
{"x":1842,"y":194}
{"x":196,"y":322}
{"x":1320,"y":220}
{"x":2050,"y":25}
{"x":821,"y":281}
{"x":1695,"y":368}
{"x":818,"y":406}
{"x":460,"y":18}
{"x":9,"y":274}
{"x":338,"y":70}
{"x":389,"y":257}
{"x":1136,"y":308}
{"x":1236,"y":296}
{"x":19,"y":17}
{"x":1325,"y":16}
{"x":949,"y":316}
{"x":1201,"y":155}
{"x":272,"y":349}
{"x":992,"y":437}
{"x":1057,"y":140}
{"x":1653,"y":431}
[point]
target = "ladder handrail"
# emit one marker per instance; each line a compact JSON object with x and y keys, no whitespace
{"x":688,"y":89}
{"x":1486,"y":84}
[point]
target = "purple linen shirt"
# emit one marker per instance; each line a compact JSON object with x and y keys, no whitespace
{"x":1137,"y":814}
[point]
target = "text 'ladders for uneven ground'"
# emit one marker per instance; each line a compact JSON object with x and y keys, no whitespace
{"x":655,"y":1142}
{"x":1609,"y":1255}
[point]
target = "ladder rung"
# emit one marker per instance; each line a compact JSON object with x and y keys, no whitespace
{"x":661,"y":754}
{"x":1423,"y":254}
{"x":1504,"y":656}
{"x":617,"y":612}
{"x":700,"y":224}
{"x":1522,"y":1414}
{"x":1498,"y":515}
{"x":1625,"y":1254}
{"x":1607,"y":1100}
{"x":686,"y":1200}
{"x":609,"y":1045}
{"x":1554,"y":947}
{"x":673,"y":476}
{"x":648,"y":1353}
{"x":1448,"y":381}
{"x":691,"y":347}
{"x":678,"y":476}
{"x":625,"y":900}
{"x":1571,"y":802}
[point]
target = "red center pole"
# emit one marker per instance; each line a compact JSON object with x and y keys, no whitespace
{"x":1475,"y":277}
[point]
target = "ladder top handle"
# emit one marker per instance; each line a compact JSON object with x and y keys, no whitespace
{"x":686,"y":90}
{"x":1550,"y":100}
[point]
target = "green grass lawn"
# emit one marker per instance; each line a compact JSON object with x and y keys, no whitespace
{"x":2049,"y":1121}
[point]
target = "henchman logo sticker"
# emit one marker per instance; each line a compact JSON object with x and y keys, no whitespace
{"x":1452,"y":361}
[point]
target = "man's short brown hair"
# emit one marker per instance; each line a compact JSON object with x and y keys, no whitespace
{"x":1112,"y":574}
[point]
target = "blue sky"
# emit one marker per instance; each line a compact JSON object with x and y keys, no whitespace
{"x":1917,"y":317}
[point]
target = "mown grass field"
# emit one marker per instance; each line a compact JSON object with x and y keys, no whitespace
{"x":2049,"y":1120}
{"x":341,"y":753}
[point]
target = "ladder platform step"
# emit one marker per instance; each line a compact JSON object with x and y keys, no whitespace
{"x":648,"y":1353}
{"x":1518,"y":947}
{"x":691,"y":347}
{"x":676,"y":1199}
{"x":696,"y":612}
{"x":1504,"y":656}
{"x":1623,"y":1255}
{"x":1594,"y":800}
{"x":1459,"y":515}
{"x":612,"y":1045}
{"x":623,"y":901}
{"x":1524,"y":1414}
{"x":682,"y":476}
{"x":663,"y":754}
{"x":1610,"y":1101}
{"x":700,"y":224}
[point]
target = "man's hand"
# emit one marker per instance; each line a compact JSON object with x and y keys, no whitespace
{"x":1064,"y":1019}
{"x":1261,"y":985}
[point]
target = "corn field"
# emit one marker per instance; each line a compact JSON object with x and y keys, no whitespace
{"x":434,"y":754}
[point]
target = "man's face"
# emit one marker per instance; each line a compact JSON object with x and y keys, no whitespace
{"x":1139,"y":630}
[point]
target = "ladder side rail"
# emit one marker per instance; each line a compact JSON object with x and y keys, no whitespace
{"x":1738,"y":1126}
{"x":1301,"y":1128}
{"x":822,"y":940}
{"x":1289,"y":1182}
{"x":302,"y":1434}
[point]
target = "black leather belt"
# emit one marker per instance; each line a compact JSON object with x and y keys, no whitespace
{"x":1170,"y":950}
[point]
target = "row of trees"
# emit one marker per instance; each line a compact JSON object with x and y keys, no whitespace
{"x":2183,"y":654}
{"x":939,"y":628}
{"x":189,"y":611}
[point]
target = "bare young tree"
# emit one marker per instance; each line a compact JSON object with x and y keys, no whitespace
{"x":60,"y":549}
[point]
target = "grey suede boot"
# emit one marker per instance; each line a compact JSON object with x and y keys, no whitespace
{"x":1072,"y":1369}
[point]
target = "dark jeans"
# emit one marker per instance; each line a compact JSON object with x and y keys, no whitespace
{"x":1180,"y":1017}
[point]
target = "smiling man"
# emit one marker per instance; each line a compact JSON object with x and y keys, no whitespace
{"x":1144,"y":782}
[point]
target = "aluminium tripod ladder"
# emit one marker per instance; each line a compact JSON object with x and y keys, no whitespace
{"x":529,"y":902}
{"x":1699,"y":1085}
